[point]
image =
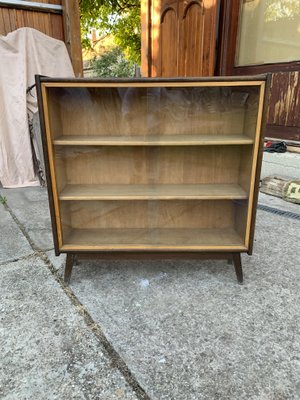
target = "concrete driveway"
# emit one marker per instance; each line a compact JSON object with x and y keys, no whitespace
{"x":147,"y":330}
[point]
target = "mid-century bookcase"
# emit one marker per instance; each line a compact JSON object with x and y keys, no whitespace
{"x":159,"y":168}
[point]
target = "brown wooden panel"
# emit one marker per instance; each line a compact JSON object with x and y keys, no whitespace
{"x":71,"y":20}
{"x":57,"y":27}
{"x":284,"y":104}
{"x":48,"y":25}
{"x":228,"y":28}
{"x":150,"y":214}
{"x":178,"y":37}
{"x":168,"y":44}
{"x":6,"y":21}
{"x":20,"y":19}
{"x":191,"y":41}
{"x":2,"y":28}
{"x":145,"y":38}
{"x":12,"y":19}
{"x":24,"y":21}
{"x":209,"y":38}
{"x":149,"y":165}
{"x":283,"y":132}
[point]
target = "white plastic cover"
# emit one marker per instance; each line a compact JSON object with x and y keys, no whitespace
{"x":24,"y":53}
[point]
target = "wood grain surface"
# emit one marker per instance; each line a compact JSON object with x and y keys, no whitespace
{"x":159,"y":239}
{"x":152,"y":192}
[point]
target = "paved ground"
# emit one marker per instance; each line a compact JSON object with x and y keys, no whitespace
{"x":284,"y":164}
{"x":177,"y":330}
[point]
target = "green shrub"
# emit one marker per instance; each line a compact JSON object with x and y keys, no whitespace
{"x":113,"y":64}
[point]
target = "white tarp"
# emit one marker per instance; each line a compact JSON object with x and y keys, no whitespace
{"x":24,"y":53}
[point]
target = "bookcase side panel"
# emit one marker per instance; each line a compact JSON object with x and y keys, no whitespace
{"x":245,"y":167}
{"x":241,"y":211}
{"x":256,"y":146}
{"x":51,"y":123}
{"x":66,"y":221}
{"x":251,"y":111}
{"x":248,"y":160}
{"x":54,"y":113}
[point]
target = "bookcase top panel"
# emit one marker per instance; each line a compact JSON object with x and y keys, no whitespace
{"x":149,"y":83}
{"x":203,"y":81}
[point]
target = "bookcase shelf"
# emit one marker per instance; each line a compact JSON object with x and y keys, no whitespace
{"x":153,"y":192}
{"x":153,"y":239}
{"x":149,"y":167}
{"x":151,"y":140}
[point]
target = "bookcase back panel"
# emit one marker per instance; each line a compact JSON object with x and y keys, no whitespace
{"x":165,"y":239}
{"x":55,"y":116}
{"x":148,"y":165}
{"x":139,"y":111}
{"x":240,"y":218}
{"x":152,"y":222}
{"x":246,"y":160}
{"x":148,"y":214}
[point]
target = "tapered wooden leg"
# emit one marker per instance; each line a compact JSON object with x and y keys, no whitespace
{"x":238,"y":266}
{"x":68,"y":267}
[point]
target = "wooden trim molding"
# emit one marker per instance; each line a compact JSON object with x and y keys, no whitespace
{"x":165,"y":10}
{"x":266,"y":68}
{"x":187,"y":7}
{"x":229,"y":17}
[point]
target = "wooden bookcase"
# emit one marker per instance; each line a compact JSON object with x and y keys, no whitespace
{"x":164,"y":168}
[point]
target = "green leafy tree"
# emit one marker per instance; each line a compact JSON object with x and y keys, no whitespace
{"x":121,"y":18}
{"x":113,"y":64}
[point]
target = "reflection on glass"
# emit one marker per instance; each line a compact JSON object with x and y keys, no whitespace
{"x":152,"y":113}
{"x":153,"y":223}
{"x":269,"y":32}
{"x":153,"y":167}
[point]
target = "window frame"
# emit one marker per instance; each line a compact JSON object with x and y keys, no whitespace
{"x":228,"y":35}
